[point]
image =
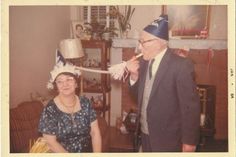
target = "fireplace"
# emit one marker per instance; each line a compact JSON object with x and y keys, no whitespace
{"x":207,"y":94}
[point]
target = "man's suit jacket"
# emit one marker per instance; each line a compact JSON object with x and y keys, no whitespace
{"x":173,"y":111}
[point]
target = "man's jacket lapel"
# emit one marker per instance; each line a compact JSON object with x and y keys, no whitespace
{"x":162,"y":69}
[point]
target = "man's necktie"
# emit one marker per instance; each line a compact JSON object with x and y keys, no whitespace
{"x":150,"y":68}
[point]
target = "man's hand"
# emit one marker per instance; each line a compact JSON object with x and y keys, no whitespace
{"x":133,"y":66}
{"x":188,"y":148}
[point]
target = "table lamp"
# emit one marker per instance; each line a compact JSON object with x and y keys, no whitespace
{"x":72,"y":51}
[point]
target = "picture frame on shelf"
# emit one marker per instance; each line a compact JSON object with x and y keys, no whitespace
{"x":188,"y":21}
{"x":79,"y":30}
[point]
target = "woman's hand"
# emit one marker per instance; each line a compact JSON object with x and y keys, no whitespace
{"x":54,"y":146}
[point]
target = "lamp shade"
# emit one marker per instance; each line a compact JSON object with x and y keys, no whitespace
{"x":71,"y":48}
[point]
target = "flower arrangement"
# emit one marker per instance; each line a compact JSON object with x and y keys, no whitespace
{"x":122,"y":18}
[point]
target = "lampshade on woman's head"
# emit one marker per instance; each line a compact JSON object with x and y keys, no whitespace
{"x":71,"y":48}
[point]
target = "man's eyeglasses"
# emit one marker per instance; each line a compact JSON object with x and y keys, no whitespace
{"x":146,"y":41}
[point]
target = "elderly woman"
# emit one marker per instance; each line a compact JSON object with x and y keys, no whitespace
{"x":68,"y":122}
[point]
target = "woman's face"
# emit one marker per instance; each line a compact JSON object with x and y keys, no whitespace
{"x":66,"y":84}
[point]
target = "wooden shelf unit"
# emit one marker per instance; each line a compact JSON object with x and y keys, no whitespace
{"x":103,"y":85}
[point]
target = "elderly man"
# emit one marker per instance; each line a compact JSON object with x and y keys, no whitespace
{"x":166,"y":93}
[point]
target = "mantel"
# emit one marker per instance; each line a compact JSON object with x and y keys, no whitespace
{"x":176,"y":43}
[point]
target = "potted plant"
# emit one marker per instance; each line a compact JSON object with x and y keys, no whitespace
{"x":122,"y":18}
{"x":97,"y":30}
{"x":94,"y":28}
{"x":107,"y":33}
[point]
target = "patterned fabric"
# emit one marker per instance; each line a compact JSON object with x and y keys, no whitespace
{"x":74,"y":138}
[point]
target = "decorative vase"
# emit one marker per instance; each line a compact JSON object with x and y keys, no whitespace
{"x":124,"y":34}
{"x":106,"y":36}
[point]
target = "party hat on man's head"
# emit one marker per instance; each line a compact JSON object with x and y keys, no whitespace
{"x":159,"y":27}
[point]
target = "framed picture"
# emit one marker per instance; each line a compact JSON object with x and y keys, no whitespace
{"x":78,"y":29}
{"x":188,"y":21}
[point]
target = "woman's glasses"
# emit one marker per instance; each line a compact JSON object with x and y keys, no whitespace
{"x":68,"y":81}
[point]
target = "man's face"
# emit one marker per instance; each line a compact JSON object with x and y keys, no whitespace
{"x":149,"y":45}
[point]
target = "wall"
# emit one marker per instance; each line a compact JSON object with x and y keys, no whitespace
{"x":35,"y":32}
{"x":218,"y":24}
{"x":143,"y":15}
